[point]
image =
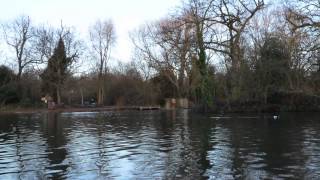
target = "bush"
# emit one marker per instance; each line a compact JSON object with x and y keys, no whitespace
{"x":8,"y":87}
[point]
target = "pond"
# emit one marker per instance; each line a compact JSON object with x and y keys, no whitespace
{"x":159,"y":145}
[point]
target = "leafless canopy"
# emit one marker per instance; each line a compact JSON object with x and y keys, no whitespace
{"x":19,"y":35}
{"x":102,"y":37}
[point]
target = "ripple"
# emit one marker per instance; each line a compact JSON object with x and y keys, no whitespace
{"x":145,"y":145}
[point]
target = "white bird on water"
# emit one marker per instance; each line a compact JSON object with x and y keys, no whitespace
{"x":275,"y":117}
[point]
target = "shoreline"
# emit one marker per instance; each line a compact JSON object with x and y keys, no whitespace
{"x":77,"y":109}
{"x":130,"y":108}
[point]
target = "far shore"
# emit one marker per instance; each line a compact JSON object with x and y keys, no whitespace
{"x":76,"y":109}
{"x":244,"y":109}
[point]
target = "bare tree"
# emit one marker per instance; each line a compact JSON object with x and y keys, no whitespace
{"x":232,"y":19}
{"x":47,"y":38}
{"x":229,"y":20}
{"x":102,"y":37}
{"x":142,"y":66}
{"x":166,"y":47}
{"x":303,"y":15}
{"x":19,"y":36}
{"x":197,"y":13}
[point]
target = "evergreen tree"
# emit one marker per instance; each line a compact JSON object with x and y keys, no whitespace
{"x":56,"y":72}
{"x":273,"y":68}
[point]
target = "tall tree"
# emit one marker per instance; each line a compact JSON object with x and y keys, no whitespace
{"x":304,"y":15}
{"x":19,"y":36}
{"x":198,"y":12}
{"x":229,"y":19}
{"x":102,"y":36}
{"x":165,"y":46}
{"x":56,"y":72}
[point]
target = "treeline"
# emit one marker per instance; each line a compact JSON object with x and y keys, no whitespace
{"x":238,"y":55}
{"x":242,"y":55}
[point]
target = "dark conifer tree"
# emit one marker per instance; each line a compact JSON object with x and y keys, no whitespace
{"x":56,"y":72}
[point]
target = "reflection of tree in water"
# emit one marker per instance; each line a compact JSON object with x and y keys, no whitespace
{"x":279,"y":144}
{"x":197,"y":131}
{"x":299,"y":141}
{"x":102,"y":161}
{"x":185,"y":142}
{"x":169,"y":145}
{"x":12,"y":132}
{"x":311,"y":149}
{"x":200,"y":129}
{"x":22,"y":146}
{"x":56,"y":141}
{"x":237,"y":150}
{"x":260,"y":148}
{"x":235,"y":146}
{"x":117,"y":138}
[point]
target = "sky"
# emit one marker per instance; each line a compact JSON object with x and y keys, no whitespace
{"x":127,"y":16}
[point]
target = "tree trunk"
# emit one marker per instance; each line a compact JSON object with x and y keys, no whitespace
{"x":318,"y":64}
{"x":100,"y":95}
{"x":19,"y":75}
{"x":20,"y":68}
{"x":181,"y":79}
{"x":58,"y":95}
{"x":81,"y":93}
{"x":236,"y":75}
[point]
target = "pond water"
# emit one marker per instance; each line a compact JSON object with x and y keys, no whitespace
{"x":159,"y":145}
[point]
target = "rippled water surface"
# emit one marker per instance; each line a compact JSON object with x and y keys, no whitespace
{"x":159,"y":145}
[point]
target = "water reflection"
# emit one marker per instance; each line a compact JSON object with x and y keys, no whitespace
{"x":53,"y":129}
{"x":158,"y":145}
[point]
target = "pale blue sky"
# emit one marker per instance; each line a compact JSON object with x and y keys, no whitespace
{"x":126,"y":14}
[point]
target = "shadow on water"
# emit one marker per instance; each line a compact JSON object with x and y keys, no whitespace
{"x":159,"y":145}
